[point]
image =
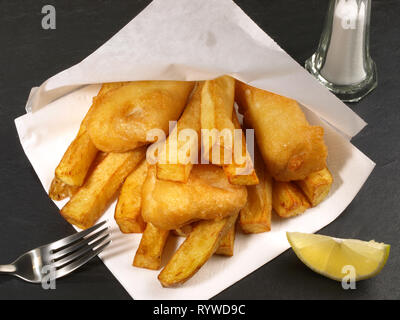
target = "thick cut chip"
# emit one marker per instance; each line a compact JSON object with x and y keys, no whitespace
{"x":129,"y":206}
{"x":223,"y":141}
{"x":194,"y":252}
{"x":182,"y":145}
{"x":59,"y":190}
{"x":90,"y":202}
{"x":77,"y":160}
{"x":288,"y":200}
{"x":122,"y":119}
{"x":316,"y":186}
{"x":241,"y":173}
{"x":207,"y":195}
{"x":227,"y":244}
{"x":292,"y":148}
{"x":217,"y":100}
{"x":255,"y":217}
{"x":149,"y":253}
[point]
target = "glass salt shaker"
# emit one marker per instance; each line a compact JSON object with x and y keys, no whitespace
{"x":342,"y":62}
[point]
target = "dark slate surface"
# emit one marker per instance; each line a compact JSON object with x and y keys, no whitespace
{"x":29,"y":55}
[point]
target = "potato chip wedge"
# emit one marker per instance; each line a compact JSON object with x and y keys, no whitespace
{"x":90,"y":202}
{"x":128,"y":210}
{"x":217,"y":100}
{"x":227,"y":245}
{"x":241,"y":173}
{"x":59,"y":190}
{"x":149,"y":253}
{"x":194,"y":252}
{"x":288,"y":200}
{"x":316,"y":186}
{"x":76,"y":162}
{"x":218,"y":123}
{"x":182,"y":145}
{"x":255,"y":217}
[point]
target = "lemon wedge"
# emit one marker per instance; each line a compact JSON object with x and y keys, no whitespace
{"x":331,"y":256}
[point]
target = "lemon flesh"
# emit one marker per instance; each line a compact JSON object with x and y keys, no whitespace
{"x":329,"y":256}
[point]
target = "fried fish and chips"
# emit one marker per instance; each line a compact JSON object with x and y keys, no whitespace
{"x":292,"y":149}
{"x":208,"y":195}
{"x":288,"y":200}
{"x":172,"y":167}
{"x":122,"y":119}
{"x":91,"y":200}
{"x":199,"y":202}
{"x":151,"y":247}
{"x":316,"y":186}
{"x":194,"y":252}
{"x":128,"y":209}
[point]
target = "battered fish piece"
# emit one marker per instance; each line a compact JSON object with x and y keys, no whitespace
{"x":292,"y":148}
{"x":207,"y":195}
{"x":123,"y":117}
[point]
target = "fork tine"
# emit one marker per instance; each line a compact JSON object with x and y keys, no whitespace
{"x":77,"y":245}
{"x":70,"y":239}
{"x":71,"y":257}
{"x":81,"y":261}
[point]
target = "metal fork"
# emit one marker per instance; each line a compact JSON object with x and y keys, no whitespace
{"x":62,"y":256}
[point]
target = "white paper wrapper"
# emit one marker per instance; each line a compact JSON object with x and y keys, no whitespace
{"x":194,"y":40}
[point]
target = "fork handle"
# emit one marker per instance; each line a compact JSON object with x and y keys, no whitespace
{"x":9,"y":268}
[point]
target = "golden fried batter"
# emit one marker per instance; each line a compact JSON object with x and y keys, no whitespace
{"x":207,"y":195}
{"x":123,"y":117}
{"x":290,"y":146}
